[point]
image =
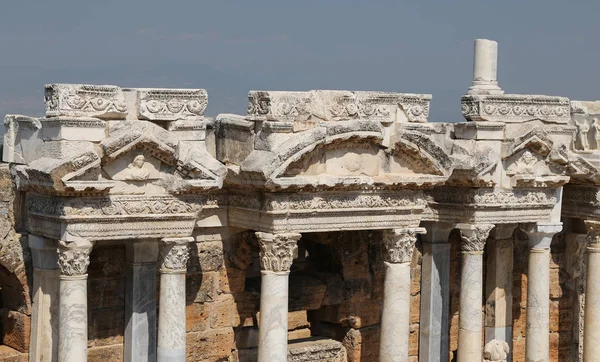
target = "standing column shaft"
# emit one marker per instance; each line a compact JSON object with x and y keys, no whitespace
{"x":435,"y":294}
{"x":174,"y":255}
{"x":395,"y":317}
{"x":140,"y":301}
{"x":471,"y":287}
{"x":499,"y":282}
{"x":591,"y":323}
{"x":537,"y":343}
{"x":276,"y":256}
{"x":73,"y":260}
{"x":43,"y":346}
{"x":485,"y":65}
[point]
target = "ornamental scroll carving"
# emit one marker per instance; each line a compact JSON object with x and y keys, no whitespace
{"x":474,"y":237}
{"x":74,"y":257}
{"x":277,"y":250}
{"x":174,"y":254}
{"x":399,"y":244}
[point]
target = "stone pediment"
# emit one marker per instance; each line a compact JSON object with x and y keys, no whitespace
{"x":348,"y":154}
{"x":137,"y":158}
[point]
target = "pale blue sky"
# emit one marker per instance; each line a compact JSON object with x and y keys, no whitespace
{"x":229,"y":47}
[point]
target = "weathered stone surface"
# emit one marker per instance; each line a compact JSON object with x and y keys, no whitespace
{"x":115,"y":165}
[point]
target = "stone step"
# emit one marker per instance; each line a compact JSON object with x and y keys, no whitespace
{"x":316,"y":349}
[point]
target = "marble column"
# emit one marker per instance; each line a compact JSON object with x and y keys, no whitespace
{"x":140,"y":301}
{"x":499,"y":282}
{"x":277,"y":253}
{"x":591,"y":323}
{"x":435,"y":293}
{"x":485,"y":65}
{"x":537,"y":343}
{"x":470,"y":326}
{"x":174,"y":255}
{"x":43,"y":346}
{"x":73,"y":260}
{"x":395,"y":317}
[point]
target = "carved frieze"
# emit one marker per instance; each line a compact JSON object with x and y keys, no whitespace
{"x":82,"y":100}
{"x":490,"y":197}
{"x":512,"y":108}
{"x":337,"y":105}
{"x":92,"y":207}
{"x":277,"y":202}
{"x":171,"y":104}
{"x":399,"y":244}
{"x":74,"y":257}
{"x":277,"y":250}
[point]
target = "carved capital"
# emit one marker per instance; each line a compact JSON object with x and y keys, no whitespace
{"x":593,"y":234}
{"x":540,"y":234}
{"x":473,"y":236}
{"x":277,"y":250}
{"x":174,"y":254}
{"x":399,"y":244}
{"x":74,"y":257}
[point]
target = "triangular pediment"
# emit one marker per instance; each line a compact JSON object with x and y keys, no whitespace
{"x":138,"y":158}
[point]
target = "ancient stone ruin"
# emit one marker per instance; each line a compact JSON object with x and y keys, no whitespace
{"x":320,"y":226}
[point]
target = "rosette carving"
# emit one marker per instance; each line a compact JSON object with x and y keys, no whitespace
{"x":174,"y":254}
{"x":74,"y":257}
{"x":277,"y":250}
{"x":399,"y":244}
{"x":474,"y":237}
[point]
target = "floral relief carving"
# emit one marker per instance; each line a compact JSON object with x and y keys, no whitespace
{"x":74,"y":257}
{"x":474,"y":238}
{"x":277,"y":250}
{"x":174,"y":253}
{"x":399,"y":244}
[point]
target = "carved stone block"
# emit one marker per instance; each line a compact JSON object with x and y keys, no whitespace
{"x":512,"y":108}
{"x":171,"y":104}
{"x":83,"y":100}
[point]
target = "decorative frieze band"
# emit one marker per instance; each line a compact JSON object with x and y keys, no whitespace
{"x":277,"y":250}
{"x":399,"y":244}
{"x":74,"y":257}
{"x":337,"y":105}
{"x":84,"y":100}
{"x":473,"y":237}
{"x":174,"y":254}
{"x":510,"y":108}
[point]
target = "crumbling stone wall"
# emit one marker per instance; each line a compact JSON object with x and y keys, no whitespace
{"x":15,"y":272}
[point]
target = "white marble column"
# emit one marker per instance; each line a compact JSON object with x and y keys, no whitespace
{"x":470,"y":326}
{"x":140,"y":301}
{"x":498,"y":286}
{"x":174,"y":255}
{"x":591,"y":323}
{"x":43,"y":346}
{"x":395,"y":317}
{"x":277,"y":253}
{"x":435,"y":293}
{"x":485,"y":66}
{"x":73,"y":260}
{"x":537,"y":343}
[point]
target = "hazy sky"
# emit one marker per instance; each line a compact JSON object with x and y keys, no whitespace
{"x":229,"y":47}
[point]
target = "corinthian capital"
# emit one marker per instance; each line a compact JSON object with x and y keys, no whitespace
{"x":399,"y":244}
{"x":74,"y":257}
{"x":277,"y":250}
{"x":473,"y":236}
{"x":174,"y":254}
{"x":593,"y":234}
